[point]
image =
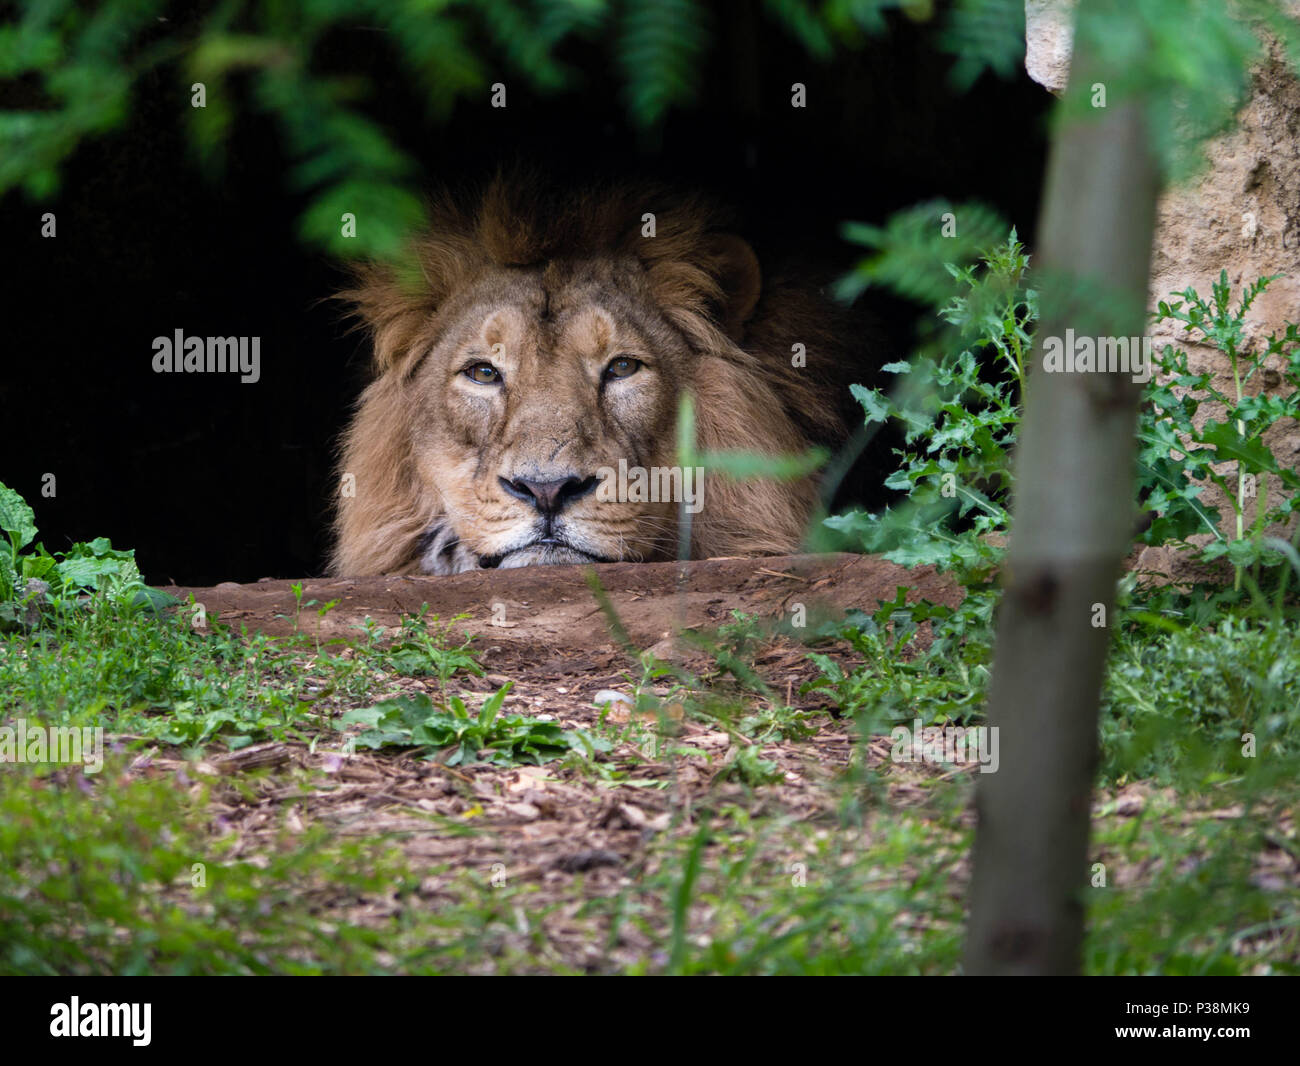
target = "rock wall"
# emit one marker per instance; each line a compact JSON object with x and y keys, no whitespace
{"x":1240,"y":214}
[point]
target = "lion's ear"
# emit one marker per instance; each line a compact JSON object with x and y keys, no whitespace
{"x":737,"y":272}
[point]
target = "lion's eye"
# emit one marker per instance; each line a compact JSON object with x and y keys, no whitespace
{"x":483,"y":374}
{"x":622,"y":367}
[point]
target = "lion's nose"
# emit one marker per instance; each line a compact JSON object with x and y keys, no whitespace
{"x":549,"y":497}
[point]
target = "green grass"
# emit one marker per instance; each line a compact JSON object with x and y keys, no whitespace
{"x":102,"y":881}
{"x":151,"y":674}
{"x":98,"y":869}
{"x":1206,"y":906}
{"x":1200,"y":717}
{"x":112,"y":875}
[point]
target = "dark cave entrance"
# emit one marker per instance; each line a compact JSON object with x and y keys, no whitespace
{"x":217,"y":479}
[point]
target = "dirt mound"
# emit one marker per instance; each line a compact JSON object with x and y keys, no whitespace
{"x":553,"y":607}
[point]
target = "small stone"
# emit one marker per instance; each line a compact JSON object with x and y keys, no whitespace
{"x":582,"y":861}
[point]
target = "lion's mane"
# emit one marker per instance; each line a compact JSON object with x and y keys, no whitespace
{"x":754,"y":396}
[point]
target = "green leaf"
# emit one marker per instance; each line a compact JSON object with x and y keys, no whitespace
{"x":37,"y":566}
{"x":8,"y":578}
{"x":984,"y":35}
{"x":492,"y":705}
{"x":743,"y":465}
{"x":368,"y":716}
{"x":875,"y":405}
{"x":1252,"y":453}
{"x":660,"y":50}
{"x":16,"y":518}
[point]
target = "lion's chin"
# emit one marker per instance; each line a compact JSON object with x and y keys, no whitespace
{"x":545,"y":555}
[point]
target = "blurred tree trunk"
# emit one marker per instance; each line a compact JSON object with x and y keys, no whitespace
{"x":1073,"y":513}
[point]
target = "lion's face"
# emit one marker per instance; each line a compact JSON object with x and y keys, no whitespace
{"x":530,"y":356}
{"x":538,"y":380}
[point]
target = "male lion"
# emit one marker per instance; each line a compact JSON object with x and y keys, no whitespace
{"x":545,"y":339}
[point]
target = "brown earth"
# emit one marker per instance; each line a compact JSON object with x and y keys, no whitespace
{"x":556,"y":852}
{"x":551,"y":611}
{"x":563,"y":835}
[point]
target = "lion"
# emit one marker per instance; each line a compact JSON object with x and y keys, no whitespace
{"x":536,"y":348}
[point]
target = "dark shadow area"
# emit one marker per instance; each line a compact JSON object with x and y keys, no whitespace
{"x":210,"y":479}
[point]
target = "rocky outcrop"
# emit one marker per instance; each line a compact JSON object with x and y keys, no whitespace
{"x":1241,"y":214}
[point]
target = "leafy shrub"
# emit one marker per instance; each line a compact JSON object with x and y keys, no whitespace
{"x":960,"y":410}
{"x":123,"y":876}
{"x":959,"y":404}
{"x":33,"y":580}
{"x":1176,"y":457}
{"x":489,"y":736}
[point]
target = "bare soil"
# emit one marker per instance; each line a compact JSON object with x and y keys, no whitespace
{"x":555,"y":853}
{"x":559,"y":831}
{"x":545,"y":613}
